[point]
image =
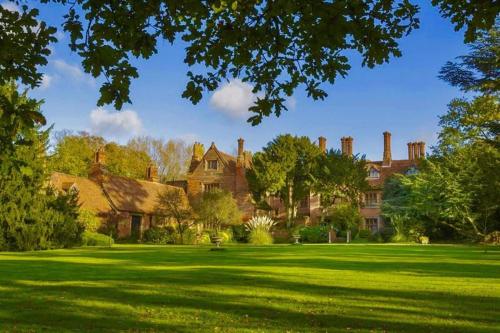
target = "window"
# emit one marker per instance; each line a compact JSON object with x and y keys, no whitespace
{"x":211,"y":187}
{"x":373,"y":173}
{"x":371,"y":199}
{"x":371,"y":224}
{"x":212,"y":165}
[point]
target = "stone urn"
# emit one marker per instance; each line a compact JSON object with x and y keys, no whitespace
{"x":296,"y":238}
{"x":217,"y":240}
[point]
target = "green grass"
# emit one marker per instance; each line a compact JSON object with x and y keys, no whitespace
{"x":310,"y":288}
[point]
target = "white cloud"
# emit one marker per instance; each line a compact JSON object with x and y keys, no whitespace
{"x":234,"y":98}
{"x":10,"y":6}
{"x":115,"y":125}
{"x":72,"y":71}
{"x":46,"y":81}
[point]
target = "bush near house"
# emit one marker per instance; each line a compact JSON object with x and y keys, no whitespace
{"x":158,"y":235}
{"x":314,"y":234}
{"x":95,"y":239}
{"x":260,"y":237}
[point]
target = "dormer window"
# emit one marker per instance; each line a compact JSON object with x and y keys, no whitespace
{"x":411,"y":171}
{"x":373,"y":173}
{"x":212,"y":165}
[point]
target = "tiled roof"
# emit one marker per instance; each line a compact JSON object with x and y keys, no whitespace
{"x":90,"y":194}
{"x":119,"y":193}
{"x":134,"y":195}
{"x":397,"y":166}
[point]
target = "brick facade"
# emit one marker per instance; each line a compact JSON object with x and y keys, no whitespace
{"x":215,"y":169}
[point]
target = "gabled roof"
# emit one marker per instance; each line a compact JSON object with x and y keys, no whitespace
{"x":90,"y":194}
{"x":397,"y":166}
{"x":228,"y":160}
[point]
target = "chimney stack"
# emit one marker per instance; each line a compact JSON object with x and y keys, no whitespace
{"x":410,"y":153}
{"x":415,"y":150}
{"x":198,"y":151}
{"x":347,"y":145}
{"x":342,"y":145}
{"x":387,"y":149}
{"x":421,"y":146}
{"x":152,"y":173}
{"x":322,"y":144}
{"x":100,"y":156}
{"x":241,"y":143}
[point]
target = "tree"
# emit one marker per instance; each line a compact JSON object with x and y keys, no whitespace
{"x":284,"y":169}
{"x":477,"y":71}
{"x":278,"y":45}
{"x":172,"y":157}
{"x":216,"y":209}
{"x":341,"y":177}
{"x":74,"y":153}
{"x":173,"y":205}
{"x":32,"y":217}
{"x":126,"y":161}
{"x":345,"y":217}
{"x":18,"y":114}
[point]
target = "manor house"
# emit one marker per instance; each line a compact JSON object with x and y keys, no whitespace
{"x":215,"y":169}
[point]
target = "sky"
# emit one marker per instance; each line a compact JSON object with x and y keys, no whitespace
{"x":404,"y":97}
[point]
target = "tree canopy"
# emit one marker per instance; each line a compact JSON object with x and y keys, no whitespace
{"x":277,"y":45}
{"x":285,"y":169}
{"x":340,"y":177}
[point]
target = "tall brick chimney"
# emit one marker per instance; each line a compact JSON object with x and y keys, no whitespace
{"x":348,"y":145}
{"x":241,"y":143}
{"x":322,"y":144}
{"x":410,"y":152}
{"x":387,"y":158}
{"x":97,"y":170}
{"x":421,"y":146}
{"x":343,"y":146}
{"x":100,"y":156}
{"x":416,"y":151}
{"x":198,"y":151}
{"x":152,"y":173}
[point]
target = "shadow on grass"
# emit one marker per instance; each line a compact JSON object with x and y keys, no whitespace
{"x":187,"y":289}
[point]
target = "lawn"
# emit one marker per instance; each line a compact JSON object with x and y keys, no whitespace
{"x":311,"y":288}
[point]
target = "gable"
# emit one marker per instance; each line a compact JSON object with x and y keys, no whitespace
{"x":225,"y":163}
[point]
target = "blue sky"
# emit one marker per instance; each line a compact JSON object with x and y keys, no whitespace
{"x":404,"y":97}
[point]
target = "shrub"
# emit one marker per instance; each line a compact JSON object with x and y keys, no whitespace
{"x":189,"y":237}
{"x":205,"y":238}
{"x":240,"y":234}
{"x":376,"y":237}
{"x":227,"y":236}
{"x":493,"y":238}
{"x":424,"y":240}
{"x":260,"y":237}
{"x":3,"y":242}
{"x":95,"y":239}
{"x":157,"y":235}
{"x":89,"y":220}
{"x":314,"y":234}
{"x":364,"y":233}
